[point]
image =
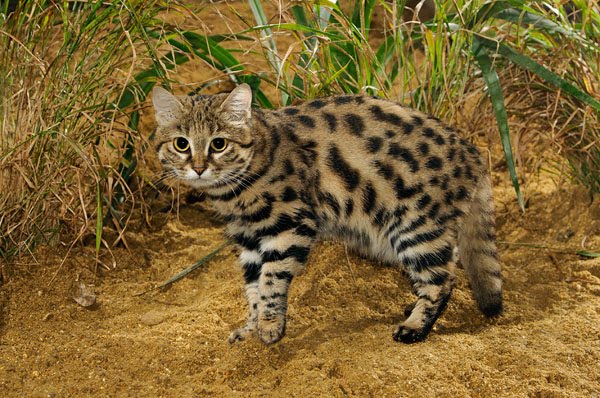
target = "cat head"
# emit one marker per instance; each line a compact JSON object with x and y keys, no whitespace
{"x":204,"y":141}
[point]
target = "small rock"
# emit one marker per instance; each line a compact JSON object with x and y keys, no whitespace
{"x":153,"y":317}
{"x":85,"y":295}
{"x":564,"y":236}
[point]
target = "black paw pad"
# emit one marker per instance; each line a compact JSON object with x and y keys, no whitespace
{"x":492,"y":307}
{"x":409,"y":336}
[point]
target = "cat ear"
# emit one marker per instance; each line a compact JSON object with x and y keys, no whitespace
{"x":167,"y":108}
{"x":236,"y":106}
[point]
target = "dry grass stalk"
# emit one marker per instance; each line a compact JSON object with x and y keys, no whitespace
{"x":61,"y":135}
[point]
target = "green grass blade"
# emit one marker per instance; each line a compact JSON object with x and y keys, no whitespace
{"x":230,"y":37}
{"x":296,"y":27}
{"x":193,"y":267}
{"x":335,"y":76}
{"x":489,"y":10}
{"x":267,"y":36}
{"x":586,"y":253}
{"x":259,"y":15}
{"x":536,"y":21}
{"x":323,"y":9}
{"x":527,"y":63}
{"x":263,"y":100}
{"x":361,"y":17}
{"x":384,"y":56}
{"x":540,"y":23}
{"x":299,"y":15}
{"x":518,"y":12}
{"x":189,"y":270}
{"x":495,"y":92}
{"x":583,"y":253}
{"x":385,"y":52}
{"x":213,"y":49}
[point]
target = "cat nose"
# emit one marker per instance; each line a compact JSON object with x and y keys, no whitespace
{"x":199,"y":169}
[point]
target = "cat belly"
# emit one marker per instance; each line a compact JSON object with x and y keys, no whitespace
{"x":366,"y":242}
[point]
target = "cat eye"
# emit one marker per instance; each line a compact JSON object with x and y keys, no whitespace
{"x":218,"y":144}
{"x":181,"y":144}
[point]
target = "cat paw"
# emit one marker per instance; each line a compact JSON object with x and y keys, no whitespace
{"x":240,"y":334}
{"x":408,"y":335}
{"x":272,"y":330}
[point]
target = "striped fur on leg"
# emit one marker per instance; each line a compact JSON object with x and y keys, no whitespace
{"x":427,"y":251}
{"x":271,"y":259}
{"x":251,"y":262}
{"x":277,"y":273}
{"x":433,"y":278}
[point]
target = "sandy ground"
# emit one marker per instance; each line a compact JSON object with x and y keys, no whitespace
{"x":342,"y":314}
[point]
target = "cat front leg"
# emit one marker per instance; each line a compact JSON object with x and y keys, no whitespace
{"x":251,"y":262}
{"x":285,"y":257}
{"x":273,"y":288}
{"x":272,"y":254}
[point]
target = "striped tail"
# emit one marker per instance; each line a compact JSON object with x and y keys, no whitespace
{"x":477,"y":250}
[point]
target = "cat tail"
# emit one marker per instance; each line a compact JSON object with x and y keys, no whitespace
{"x":477,"y":250}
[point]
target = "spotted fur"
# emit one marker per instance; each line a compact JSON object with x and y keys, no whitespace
{"x":391,"y":182}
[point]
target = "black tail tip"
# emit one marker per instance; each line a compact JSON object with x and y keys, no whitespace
{"x":492,"y":307}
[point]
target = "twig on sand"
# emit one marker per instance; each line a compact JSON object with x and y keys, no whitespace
{"x":188,"y":270}
{"x":583,"y":253}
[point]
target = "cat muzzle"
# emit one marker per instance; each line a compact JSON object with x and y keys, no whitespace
{"x":199,"y":170}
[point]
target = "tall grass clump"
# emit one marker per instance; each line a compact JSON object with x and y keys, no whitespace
{"x":439,"y":65}
{"x":73,"y":76}
{"x":566,"y":40}
{"x":68,"y":87}
{"x":73,"y":79}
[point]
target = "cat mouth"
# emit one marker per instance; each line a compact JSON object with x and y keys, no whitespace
{"x":207,"y":179}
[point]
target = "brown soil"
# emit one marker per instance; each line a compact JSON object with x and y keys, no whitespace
{"x":342,"y":314}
